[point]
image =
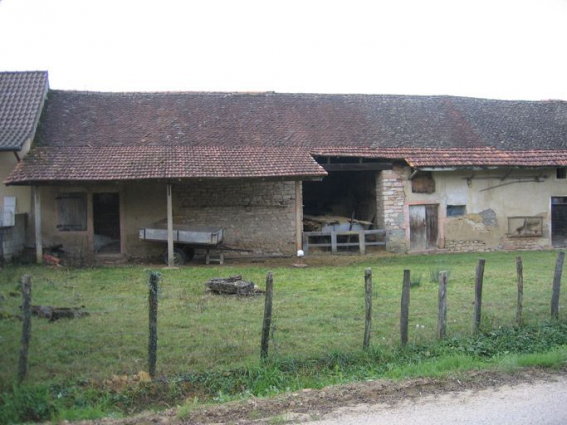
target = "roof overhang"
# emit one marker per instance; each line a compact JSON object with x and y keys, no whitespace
{"x":60,"y":165}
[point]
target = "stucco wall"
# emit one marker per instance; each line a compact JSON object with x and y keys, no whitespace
{"x":22,"y":193}
{"x":257,"y":216}
{"x":485,"y":225}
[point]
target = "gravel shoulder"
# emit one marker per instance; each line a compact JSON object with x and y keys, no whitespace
{"x":337,"y":401}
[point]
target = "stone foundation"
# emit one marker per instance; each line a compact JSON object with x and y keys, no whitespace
{"x":529,"y":243}
{"x":465,"y":246}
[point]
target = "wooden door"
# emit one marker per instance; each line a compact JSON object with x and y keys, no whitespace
{"x":423,"y":227}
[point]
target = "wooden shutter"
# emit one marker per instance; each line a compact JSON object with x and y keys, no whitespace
{"x":72,"y":212}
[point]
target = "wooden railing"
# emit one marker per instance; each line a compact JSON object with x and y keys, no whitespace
{"x":331,"y":240}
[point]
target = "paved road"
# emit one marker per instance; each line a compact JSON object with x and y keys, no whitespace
{"x":541,"y":403}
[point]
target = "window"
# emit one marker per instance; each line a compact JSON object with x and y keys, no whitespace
{"x":525,"y":226}
{"x":72,"y":212}
{"x":561,"y":173}
{"x":456,"y":210}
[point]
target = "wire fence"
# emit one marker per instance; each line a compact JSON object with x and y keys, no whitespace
{"x":194,"y":331}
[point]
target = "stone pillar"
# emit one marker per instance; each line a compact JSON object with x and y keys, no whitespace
{"x":390,"y":201}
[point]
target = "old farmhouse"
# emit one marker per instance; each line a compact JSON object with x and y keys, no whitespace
{"x":424,"y":172}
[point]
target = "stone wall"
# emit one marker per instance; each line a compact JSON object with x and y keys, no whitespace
{"x":465,"y":245}
{"x":256,"y":216}
{"x":531,"y":243}
{"x":391,"y":197}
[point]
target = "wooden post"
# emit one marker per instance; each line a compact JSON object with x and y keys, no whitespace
{"x":37,"y":222}
{"x":368,"y":307}
{"x":520,"y":272}
{"x":333,"y":242}
{"x":404,"y":316}
{"x":478,"y":294}
{"x":557,"y":285}
{"x":26,"y":328}
{"x":267,"y":316}
{"x":170,"y":256}
{"x":442,"y":317}
{"x":298,"y":216}
{"x":153,"y":307}
{"x":362,"y":242}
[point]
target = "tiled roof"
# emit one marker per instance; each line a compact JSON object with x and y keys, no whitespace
{"x":21,"y":98}
{"x":457,"y":157}
{"x":162,"y":162}
{"x":113,"y":136}
{"x":300,"y":120}
{"x":488,"y":157}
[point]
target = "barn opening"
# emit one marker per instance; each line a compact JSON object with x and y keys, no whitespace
{"x":106,"y":223}
{"x":343,"y":201}
{"x":559,"y":221}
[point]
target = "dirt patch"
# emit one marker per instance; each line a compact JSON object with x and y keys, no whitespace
{"x":309,"y":404}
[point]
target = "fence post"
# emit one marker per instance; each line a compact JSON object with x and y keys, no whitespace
{"x":404,"y":315}
{"x":520,"y":273}
{"x":368,"y":306}
{"x":557,"y":285}
{"x":267,"y":316}
{"x":153,"y":306}
{"x":442,"y":316}
{"x":478,"y":294}
{"x":26,"y":328}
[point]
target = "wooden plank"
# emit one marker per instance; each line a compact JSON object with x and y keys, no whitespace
{"x":298,"y":216}
{"x":364,"y":166}
{"x":418,"y":233}
{"x":404,"y":312}
{"x":478,"y":294}
{"x":431,"y":226}
{"x":37,"y":222}
{"x":368,"y":307}
{"x":557,"y":285}
{"x":345,"y":233}
{"x":170,"y":256}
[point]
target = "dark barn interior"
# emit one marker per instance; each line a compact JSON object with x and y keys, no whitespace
{"x":350,"y":194}
{"x":106,"y":223}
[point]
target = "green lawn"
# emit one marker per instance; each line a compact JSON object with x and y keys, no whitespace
{"x":317,"y":310}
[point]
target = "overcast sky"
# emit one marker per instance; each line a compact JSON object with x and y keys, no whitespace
{"x":509,"y":49}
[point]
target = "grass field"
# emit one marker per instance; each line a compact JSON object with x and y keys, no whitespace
{"x":317,"y":311}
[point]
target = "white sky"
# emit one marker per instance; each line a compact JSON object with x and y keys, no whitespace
{"x":509,"y":49}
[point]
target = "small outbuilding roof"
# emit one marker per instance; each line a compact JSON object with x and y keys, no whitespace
{"x":21,"y":98}
{"x":115,"y":163}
